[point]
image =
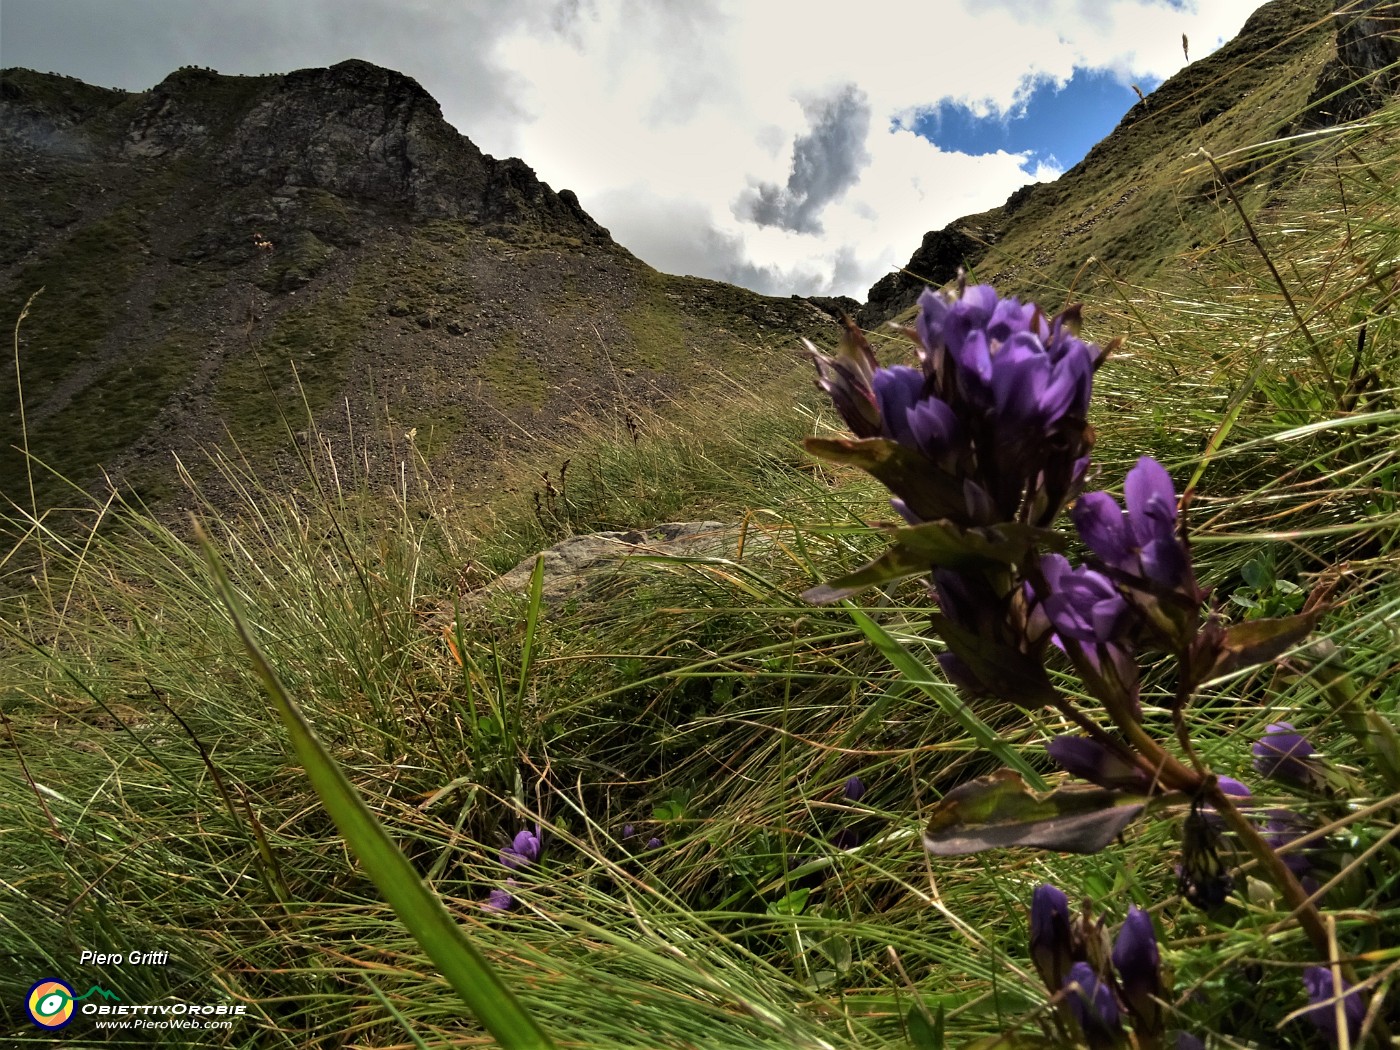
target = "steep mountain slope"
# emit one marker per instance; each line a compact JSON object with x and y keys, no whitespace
{"x":322,"y":236}
{"x":1144,"y":198}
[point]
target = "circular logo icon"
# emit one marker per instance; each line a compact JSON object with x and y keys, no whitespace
{"x":50,"y":1003}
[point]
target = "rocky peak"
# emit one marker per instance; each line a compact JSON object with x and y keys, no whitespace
{"x":356,"y":130}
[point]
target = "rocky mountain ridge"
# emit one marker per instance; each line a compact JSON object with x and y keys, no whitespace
{"x":220,"y":251}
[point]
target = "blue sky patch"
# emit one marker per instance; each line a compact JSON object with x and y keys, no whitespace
{"x":1055,"y":125}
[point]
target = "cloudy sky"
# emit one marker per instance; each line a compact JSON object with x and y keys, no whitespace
{"x":786,"y":145}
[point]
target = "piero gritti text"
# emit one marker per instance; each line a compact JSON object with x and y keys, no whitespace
{"x":137,"y":958}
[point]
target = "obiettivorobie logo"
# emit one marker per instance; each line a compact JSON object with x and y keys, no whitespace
{"x":51,"y":1002}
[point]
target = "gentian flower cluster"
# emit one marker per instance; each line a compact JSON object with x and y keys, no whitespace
{"x":991,"y":427}
{"x":1104,"y":989}
{"x":982,"y":447}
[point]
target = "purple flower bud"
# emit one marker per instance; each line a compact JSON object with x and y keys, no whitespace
{"x":1098,"y":763}
{"x":1051,"y":941}
{"x":1095,"y":1008}
{"x":1234,"y":788}
{"x":1151,"y":501}
{"x":1283,"y":754}
{"x":845,"y":838}
{"x":1139,"y":967}
{"x":653,"y":843}
{"x":1317,"y":982}
{"x":628,"y":831}
{"x":854,"y":789}
{"x":523,"y":851}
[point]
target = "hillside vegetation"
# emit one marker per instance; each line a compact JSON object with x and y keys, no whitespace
{"x":682,"y":739}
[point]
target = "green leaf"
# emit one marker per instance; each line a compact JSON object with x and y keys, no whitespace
{"x":417,"y":907}
{"x":1259,"y":641}
{"x":793,"y":903}
{"x":928,"y":491}
{"x":935,"y":688}
{"x":999,"y":810}
{"x":919,"y":548}
{"x":924,"y":1033}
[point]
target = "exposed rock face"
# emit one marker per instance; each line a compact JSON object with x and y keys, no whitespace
{"x":1363,"y":75}
{"x":935,"y":263}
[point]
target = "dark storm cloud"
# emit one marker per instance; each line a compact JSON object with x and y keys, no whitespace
{"x":678,"y":236}
{"x":134,"y":44}
{"x":826,"y":162}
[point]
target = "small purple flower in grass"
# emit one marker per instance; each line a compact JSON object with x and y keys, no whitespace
{"x":854,"y":789}
{"x":653,"y":843}
{"x":628,"y":831}
{"x":1099,"y":763}
{"x":1141,"y":541}
{"x":1051,"y":936}
{"x":499,"y":900}
{"x":910,"y":416}
{"x":1283,"y":754}
{"x":1236,"y":790}
{"x":1095,"y":1008}
{"x":525,"y":850}
{"x":1139,"y":967}
{"x":1317,"y":982}
{"x":845,"y":838}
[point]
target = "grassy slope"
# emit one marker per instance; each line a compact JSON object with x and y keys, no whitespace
{"x":706,"y":706}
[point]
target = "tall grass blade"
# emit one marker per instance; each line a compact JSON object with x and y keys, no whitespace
{"x":473,"y":978}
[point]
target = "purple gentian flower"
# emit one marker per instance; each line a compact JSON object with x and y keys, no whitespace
{"x":525,"y":850}
{"x":653,"y":843}
{"x":1051,"y":938}
{"x":499,"y":900}
{"x":1317,"y":982}
{"x":1010,"y":361}
{"x":909,"y":415}
{"x":628,"y":831}
{"x":1099,"y":763}
{"x":1082,"y":604}
{"x":1139,"y":967}
{"x":1095,"y":1008}
{"x":1283,"y":754}
{"x":1143,"y":540}
{"x":854,"y":789}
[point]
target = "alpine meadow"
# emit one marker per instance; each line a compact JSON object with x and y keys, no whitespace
{"x":425,"y":624}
